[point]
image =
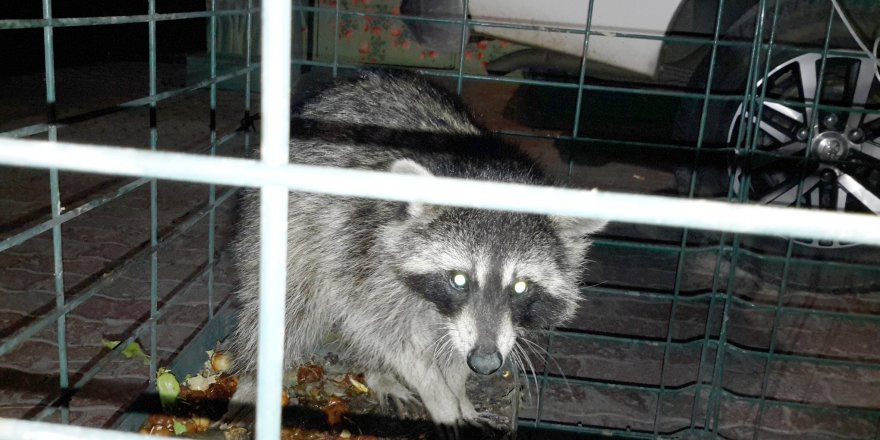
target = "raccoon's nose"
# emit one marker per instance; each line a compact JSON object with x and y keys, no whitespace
{"x":484,"y":361}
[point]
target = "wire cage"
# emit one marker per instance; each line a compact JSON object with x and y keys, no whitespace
{"x":750,"y":313}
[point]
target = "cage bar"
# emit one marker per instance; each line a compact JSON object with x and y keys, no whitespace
{"x":275,"y":178}
{"x":55,"y":205}
{"x":212,"y":189}
{"x":275,"y":79}
{"x":111,"y":20}
{"x":11,"y":342}
{"x":42,"y":128}
{"x":155,"y":313}
{"x":11,"y":429}
{"x":680,"y":264}
{"x":154,"y":207}
{"x":464,"y":23}
{"x":642,"y":209}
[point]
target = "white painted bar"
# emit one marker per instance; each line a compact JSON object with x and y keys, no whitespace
{"x":644,"y":209}
{"x":274,"y":150}
{"x":13,"y":429}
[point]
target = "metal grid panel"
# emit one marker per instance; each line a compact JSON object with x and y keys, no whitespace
{"x":158,"y":240}
{"x":704,"y":391}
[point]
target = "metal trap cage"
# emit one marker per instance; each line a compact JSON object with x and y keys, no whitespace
{"x":758,"y":319}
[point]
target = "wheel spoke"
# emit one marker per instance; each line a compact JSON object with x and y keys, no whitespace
{"x":861,"y":88}
{"x":861,"y":193}
{"x":779,"y":128}
{"x":870,"y":149}
{"x":788,"y":112}
{"x":841,"y":199}
{"x":807,"y":71}
{"x":787,"y":193}
{"x":871,"y":126}
{"x":774,"y":132}
{"x":770,"y":129}
{"x":792,"y":149}
{"x":863,"y":83}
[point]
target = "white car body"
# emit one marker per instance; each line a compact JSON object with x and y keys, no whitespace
{"x":610,"y":18}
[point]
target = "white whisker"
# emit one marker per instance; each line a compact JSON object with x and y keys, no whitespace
{"x":521,"y":364}
{"x":547,"y":354}
{"x":528,"y":360}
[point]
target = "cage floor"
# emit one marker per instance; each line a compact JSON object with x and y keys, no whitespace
{"x":105,"y":238}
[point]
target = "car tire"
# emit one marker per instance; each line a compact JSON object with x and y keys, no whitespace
{"x":801,"y":22}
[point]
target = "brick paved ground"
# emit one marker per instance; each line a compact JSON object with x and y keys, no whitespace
{"x":106,"y":237}
{"x":102,"y":239}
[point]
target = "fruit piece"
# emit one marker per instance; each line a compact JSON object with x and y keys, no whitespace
{"x":201,"y":423}
{"x":132,"y":350}
{"x":357,"y":385}
{"x":220,"y":362}
{"x":167,"y":386}
{"x":179,"y":428}
{"x":199,"y":382}
{"x":309,"y":374}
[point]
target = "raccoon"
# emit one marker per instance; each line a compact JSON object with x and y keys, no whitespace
{"x":424,"y":294}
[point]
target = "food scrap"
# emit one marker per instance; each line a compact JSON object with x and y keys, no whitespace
{"x":131,"y":351}
{"x":189,"y":403}
{"x":309,"y":386}
{"x":312,"y":434}
{"x":220,"y":361}
{"x":334,"y":409}
{"x":165,"y":425}
{"x":325,"y":399}
{"x":309,"y":374}
{"x":357,"y":383}
{"x":167,"y":386}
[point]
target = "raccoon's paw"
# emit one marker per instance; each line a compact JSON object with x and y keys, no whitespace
{"x":393,"y":396}
{"x":491,"y":421}
{"x":386,"y":385}
{"x":484,"y":420}
{"x":481,"y":425}
{"x":468,"y":412}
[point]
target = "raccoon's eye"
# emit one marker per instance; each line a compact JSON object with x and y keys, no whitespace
{"x":520,"y":286}
{"x":459,"y":280}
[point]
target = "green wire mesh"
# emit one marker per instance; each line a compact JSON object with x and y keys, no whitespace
{"x":710,"y":374}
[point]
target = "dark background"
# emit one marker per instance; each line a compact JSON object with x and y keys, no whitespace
{"x":22,"y":49}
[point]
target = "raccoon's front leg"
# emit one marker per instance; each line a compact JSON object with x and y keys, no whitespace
{"x":457,"y":378}
{"x":444,"y":404}
{"x":441,"y":391}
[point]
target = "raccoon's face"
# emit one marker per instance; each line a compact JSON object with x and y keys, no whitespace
{"x":490,"y":275}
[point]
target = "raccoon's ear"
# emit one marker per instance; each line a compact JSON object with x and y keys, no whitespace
{"x":409,"y":166}
{"x":575,"y":227}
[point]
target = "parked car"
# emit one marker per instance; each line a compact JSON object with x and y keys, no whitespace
{"x":630,"y":41}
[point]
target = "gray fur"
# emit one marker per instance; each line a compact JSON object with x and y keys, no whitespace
{"x":369,"y":270}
